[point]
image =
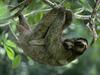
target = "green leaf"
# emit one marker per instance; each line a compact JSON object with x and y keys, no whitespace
{"x":10,"y":52}
{"x":13,"y":26}
{"x":38,"y":17}
{"x":11,"y":43}
{"x":5,"y":37}
{"x":86,"y":5}
{"x":4,"y":12}
{"x":16,"y":62}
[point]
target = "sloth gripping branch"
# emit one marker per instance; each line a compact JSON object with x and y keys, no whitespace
{"x":44,"y":44}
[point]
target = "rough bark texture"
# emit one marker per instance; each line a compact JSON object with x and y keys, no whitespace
{"x":44,"y":43}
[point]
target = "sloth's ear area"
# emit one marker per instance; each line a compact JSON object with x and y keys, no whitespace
{"x":68,"y":44}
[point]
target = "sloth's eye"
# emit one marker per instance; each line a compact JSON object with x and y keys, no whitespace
{"x":79,"y":44}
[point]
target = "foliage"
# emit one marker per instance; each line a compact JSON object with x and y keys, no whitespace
{"x":87,"y":64}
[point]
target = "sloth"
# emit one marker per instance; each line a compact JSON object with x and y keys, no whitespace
{"x":44,"y":43}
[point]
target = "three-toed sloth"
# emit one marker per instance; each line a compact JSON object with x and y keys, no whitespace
{"x":44,"y":44}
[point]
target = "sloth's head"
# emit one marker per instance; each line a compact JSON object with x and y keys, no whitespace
{"x":76,"y":45}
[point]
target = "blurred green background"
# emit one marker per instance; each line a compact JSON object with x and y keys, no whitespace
{"x":12,"y":60}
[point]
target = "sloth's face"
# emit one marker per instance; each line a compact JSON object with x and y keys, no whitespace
{"x":77,"y":46}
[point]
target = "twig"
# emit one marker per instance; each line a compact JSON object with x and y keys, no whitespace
{"x":5,"y":24}
{"x":51,"y":4}
{"x":91,"y":23}
{"x":8,"y":24}
{"x":23,"y":2}
{"x":82,"y":17}
{"x":62,"y":2}
{"x":16,"y":38}
{"x":36,"y":11}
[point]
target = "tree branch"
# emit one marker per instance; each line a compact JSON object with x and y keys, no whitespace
{"x":91,"y":23}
